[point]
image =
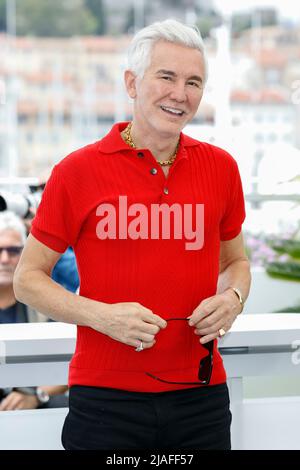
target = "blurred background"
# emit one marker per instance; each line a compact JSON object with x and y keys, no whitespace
{"x":61,"y":87}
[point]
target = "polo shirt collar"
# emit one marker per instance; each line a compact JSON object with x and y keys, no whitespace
{"x":113,"y":141}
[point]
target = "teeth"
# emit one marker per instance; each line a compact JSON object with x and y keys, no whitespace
{"x":172,"y":110}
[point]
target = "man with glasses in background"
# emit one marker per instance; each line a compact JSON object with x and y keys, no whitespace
{"x":12,"y":239}
{"x":146,"y":373}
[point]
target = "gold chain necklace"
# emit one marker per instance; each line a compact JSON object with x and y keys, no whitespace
{"x":129,"y":141}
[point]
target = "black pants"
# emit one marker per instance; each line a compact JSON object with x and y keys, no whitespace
{"x":106,"y":419}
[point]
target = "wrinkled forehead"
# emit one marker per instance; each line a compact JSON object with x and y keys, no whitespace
{"x":177,"y":57}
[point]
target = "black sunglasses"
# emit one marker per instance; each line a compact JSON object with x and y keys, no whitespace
{"x":11,"y":250}
{"x":205,"y":364}
{"x":37,"y":187}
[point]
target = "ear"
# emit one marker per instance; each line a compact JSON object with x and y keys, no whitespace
{"x":130,"y":83}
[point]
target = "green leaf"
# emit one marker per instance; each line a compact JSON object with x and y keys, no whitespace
{"x":295,"y":309}
{"x":287,"y":270}
{"x":290,"y":247}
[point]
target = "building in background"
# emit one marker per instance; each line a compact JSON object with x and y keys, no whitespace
{"x":67,"y":92}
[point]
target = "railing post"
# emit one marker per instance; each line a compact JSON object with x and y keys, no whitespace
{"x":235,"y":385}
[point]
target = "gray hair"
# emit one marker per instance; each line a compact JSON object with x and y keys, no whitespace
{"x":139,"y":51}
{"x":10,"y":221}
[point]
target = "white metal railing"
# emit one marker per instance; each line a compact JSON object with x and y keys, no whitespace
{"x":257,"y":345}
{"x":258,"y":197}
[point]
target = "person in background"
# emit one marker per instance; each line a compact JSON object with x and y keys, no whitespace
{"x":12,"y":240}
{"x":65,"y":271}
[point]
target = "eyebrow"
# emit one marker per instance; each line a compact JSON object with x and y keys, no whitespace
{"x":173,"y":74}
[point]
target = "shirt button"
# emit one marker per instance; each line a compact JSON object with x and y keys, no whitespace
{"x":140,"y":154}
{"x":153,"y":171}
{"x":166,"y":191}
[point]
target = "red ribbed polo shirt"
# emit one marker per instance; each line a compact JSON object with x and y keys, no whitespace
{"x":160,"y":273}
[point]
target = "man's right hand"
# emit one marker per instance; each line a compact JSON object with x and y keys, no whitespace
{"x":127,"y":322}
{"x":130,"y":323}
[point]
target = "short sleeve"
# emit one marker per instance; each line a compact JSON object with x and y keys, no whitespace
{"x":234,"y":215}
{"x":55,"y":223}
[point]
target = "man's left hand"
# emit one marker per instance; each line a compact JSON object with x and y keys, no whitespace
{"x":214,"y":313}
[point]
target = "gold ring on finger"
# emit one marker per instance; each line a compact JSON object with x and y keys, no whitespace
{"x":222,"y":332}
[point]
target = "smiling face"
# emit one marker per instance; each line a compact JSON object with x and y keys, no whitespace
{"x":168,"y":95}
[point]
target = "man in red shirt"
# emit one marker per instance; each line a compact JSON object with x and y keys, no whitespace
{"x":154,"y":218}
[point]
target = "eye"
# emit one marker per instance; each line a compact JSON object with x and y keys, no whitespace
{"x":195,"y":84}
{"x":166,"y":77}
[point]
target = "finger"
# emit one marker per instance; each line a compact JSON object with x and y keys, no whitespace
{"x":137,"y":343}
{"x":149,"y":317}
{"x":203,"y":311}
{"x":11,"y":403}
{"x":149,"y":328}
{"x":147,"y":345}
{"x":15,"y":402}
{"x":20,"y":407}
{"x":209,"y":331}
{"x":2,"y":405}
{"x":206,"y":338}
{"x":153,"y":319}
{"x":210,"y":325}
{"x":158,"y":321}
{"x":210,"y":320}
{"x":145,"y":337}
{"x":5,"y":404}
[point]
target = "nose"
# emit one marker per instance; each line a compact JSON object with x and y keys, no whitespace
{"x":178,"y":92}
{"x":4,"y":257}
